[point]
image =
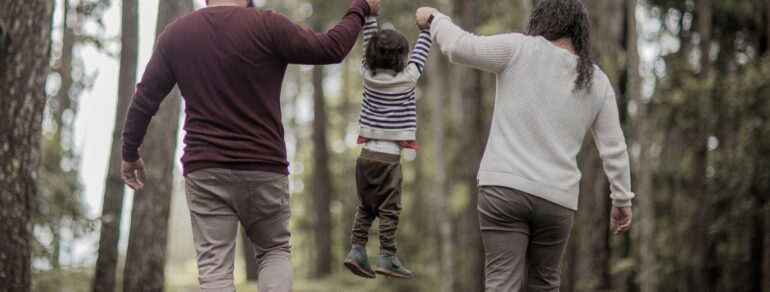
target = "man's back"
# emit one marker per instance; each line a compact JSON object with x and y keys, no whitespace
{"x":230,"y":78}
{"x":229,"y":63}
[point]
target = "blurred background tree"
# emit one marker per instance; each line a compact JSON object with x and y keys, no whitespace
{"x":691,"y":77}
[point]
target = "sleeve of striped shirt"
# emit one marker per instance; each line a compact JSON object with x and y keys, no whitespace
{"x":370,"y":27}
{"x":421,"y":50}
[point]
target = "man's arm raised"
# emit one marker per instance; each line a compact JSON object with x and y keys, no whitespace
{"x":297,"y":45}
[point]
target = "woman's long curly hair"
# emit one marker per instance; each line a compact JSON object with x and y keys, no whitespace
{"x":387,"y":49}
{"x":556,"y":19}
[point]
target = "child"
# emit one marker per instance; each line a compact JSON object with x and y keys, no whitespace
{"x":388,"y":123}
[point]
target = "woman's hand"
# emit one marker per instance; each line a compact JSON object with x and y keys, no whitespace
{"x":374,"y":7}
{"x":423,"y":15}
{"x":620,"y":219}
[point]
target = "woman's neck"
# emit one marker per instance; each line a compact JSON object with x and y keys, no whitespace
{"x":565,"y":43}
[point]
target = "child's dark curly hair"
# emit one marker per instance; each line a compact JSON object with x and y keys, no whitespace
{"x":387,"y":49}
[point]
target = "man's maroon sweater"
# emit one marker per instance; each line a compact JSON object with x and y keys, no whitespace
{"x":229,"y":63}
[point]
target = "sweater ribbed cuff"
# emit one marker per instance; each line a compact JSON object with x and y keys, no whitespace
{"x":621,"y":203}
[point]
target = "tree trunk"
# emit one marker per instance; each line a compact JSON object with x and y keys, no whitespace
{"x":62,"y":99}
{"x":112,"y":208}
{"x":321,"y":180}
{"x":146,"y":253}
{"x":766,"y":248}
{"x":525,"y":7}
{"x":60,"y":103}
{"x":645,"y":235}
{"x":701,"y":246}
{"x":24,"y":57}
{"x":439,"y":193}
{"x":591,"y":259}
{"x":766,"y":212}
{"x":473,"y":122}
{"x":591,"y":246}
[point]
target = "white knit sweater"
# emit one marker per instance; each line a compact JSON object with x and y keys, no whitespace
{"x":539,"y":122}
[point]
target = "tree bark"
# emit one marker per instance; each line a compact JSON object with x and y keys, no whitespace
{"x":439,"y":193}
{"x":112,"y":208}
{"x":526,"y":8}
{"x":765,"y":213}
{"x":24,"y":57}
{"x":60,"y":103}
{"x":645,"y":235}
{"x":766,"y":248}
{"x":473,"y":123}
{"x":591,"y":258}
{"x":145,"y":258}
{"x":62,"y":100}
{"x":701,"y":246}
{"x":321,"y":180}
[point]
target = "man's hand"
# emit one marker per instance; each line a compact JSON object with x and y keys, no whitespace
{"x":423,"y":15}
{"x":620,"y":219}
{"x":374,"y":7}
{"x":133,"y":174}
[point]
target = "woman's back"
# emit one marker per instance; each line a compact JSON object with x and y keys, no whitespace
{"x":540,"y":121}
{"x":540,"y":118}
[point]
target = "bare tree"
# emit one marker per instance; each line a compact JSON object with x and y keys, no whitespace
{"x":525,"y":7}
{"x":473,"y":125}
{"x":440,"y":213}
{"x":112,"y":208}
{"x":322,"y":187}
{"x":591,"y":254}
{"x":766,"y":212}
{"x":322,"y":177}
{"x":702,"y":281}
{"x":645,"y":203}
{"x":146,"y":253}
{"x":25,"y":45}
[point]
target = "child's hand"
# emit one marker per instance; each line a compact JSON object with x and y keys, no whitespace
{"x":423,"y":15}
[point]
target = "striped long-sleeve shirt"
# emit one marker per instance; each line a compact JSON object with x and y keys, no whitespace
{"x":389,"y":107}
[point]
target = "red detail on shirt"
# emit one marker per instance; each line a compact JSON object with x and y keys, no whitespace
{"x":408,"y":144}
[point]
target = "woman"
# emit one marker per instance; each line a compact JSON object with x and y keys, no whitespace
{"x":549,"y":95}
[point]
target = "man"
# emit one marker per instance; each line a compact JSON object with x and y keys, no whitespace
{"x":229,"y":62}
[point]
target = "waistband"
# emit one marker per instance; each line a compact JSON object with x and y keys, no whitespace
{"x":384,"y":157}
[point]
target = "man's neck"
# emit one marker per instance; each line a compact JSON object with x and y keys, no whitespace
{"x":565,"y":43}
{"x":215,"y":3}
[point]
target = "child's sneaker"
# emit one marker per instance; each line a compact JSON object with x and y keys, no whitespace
{"x":358,"y":263}
{"x":389,"y":265}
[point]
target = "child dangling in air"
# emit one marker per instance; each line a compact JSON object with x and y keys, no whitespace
{"x":388,"y":123}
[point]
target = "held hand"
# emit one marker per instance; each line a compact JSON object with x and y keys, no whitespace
{"x":374,"y":7}
{"x":423,"y":15}
{"x":133,"y":174}
{"x":620,"y":219}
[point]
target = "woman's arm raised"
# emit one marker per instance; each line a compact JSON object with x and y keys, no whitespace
{"x":488,"y":53}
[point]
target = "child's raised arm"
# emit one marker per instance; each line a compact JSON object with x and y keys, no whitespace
{"x":421,"y":50}
{"x":370,"y":27}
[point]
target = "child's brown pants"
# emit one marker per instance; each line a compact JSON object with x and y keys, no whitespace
{"x":378,"y":182}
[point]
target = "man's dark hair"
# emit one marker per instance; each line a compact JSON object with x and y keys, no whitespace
{"x":387,"y":49}
{"x":556,"y":19}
